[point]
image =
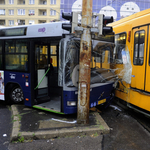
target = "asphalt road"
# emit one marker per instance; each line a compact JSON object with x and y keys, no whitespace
{"x":126,"y":134}
{"x":5,"y":126}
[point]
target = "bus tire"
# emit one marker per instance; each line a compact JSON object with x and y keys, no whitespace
{"x":16,"y":95}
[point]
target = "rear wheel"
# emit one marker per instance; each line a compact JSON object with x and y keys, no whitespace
{"x":16,"y":94}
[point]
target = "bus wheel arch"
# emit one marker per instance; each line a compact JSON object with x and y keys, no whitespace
{"x":14,"y":93}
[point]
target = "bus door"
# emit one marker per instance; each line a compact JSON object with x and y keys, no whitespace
{"x":41,"y":71}
{"x":139,"y":55}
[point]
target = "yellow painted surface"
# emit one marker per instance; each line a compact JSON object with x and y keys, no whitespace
{"x":147,"y":82}
{"x":139,"y":70}
{"x":141,"y":80}
{"x":101,"y":101}
{"x":121,"y":95}
{"x":140,"y":100}
{"x":106,"y":63}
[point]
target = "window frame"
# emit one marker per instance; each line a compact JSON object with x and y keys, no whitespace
{"x":23,"y":12}
{"x":115,"y":49}
{"x":138,"y":51}
{"x":11,"y":22}
{"x":11,"y":2}
{"x":52,"y":12}
{"x":31,"y":12}
{"x":31,"y":21}
{"x":53,"y":2}
{"x":31,"y":2}
{"x":3,"y":10}
{"x":11,"y":12}
{"x":16,"y":53}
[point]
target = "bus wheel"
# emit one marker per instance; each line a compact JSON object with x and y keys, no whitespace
{"x":16,"y":95}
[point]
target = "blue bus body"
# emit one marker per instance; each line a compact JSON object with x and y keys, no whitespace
{"x":95,"y":97}
{"x":23,"y":80}
{"x":97,"y":94}
{"x":49,"y":85}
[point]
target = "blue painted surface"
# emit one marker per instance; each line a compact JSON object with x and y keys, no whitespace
{"x":19,"y":78}
{"x":95,"y":94}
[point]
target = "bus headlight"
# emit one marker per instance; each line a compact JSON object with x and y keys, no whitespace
{"x":71,"y":103}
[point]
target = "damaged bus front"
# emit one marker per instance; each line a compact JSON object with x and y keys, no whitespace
{"x":102,"y":78}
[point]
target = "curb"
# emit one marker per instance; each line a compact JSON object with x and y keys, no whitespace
{"x":16,"y":124}
{"x":100,"y":128}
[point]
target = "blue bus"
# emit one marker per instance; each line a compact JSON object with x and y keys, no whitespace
{"x":39,"y":68}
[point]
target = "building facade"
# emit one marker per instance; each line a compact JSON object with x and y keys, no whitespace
{"x":24,"y":12}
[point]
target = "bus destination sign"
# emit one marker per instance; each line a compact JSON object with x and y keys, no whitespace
{"x":13,"y":32}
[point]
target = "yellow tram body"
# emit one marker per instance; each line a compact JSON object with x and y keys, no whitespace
{"x":134,"y":32}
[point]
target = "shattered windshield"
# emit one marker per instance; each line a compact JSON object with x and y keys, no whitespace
{"x":102,"y":52}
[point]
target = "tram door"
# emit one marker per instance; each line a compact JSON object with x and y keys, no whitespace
{"x":41,"y":71}
{"x":147,"y":74}
{"x":139,"y":54}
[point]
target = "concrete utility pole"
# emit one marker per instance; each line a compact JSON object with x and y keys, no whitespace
{"x":84,"y":64}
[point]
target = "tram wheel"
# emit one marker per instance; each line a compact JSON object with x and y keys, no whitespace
{"x":16,"y":94}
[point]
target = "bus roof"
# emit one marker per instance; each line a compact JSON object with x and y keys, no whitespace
{"x":132,"y":17}
{"x":53,"y":29}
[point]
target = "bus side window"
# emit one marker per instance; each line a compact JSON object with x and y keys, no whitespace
{"x":16,"y":55}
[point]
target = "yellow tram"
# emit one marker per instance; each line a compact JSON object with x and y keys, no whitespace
{"x":132,"y":36}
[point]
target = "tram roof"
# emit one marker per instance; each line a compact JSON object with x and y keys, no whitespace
{"x":137,"y":15}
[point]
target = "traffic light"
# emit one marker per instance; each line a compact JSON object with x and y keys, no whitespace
{"x":67,"y":26}
{"x":102,"y":22}
{"x":73,"y":18}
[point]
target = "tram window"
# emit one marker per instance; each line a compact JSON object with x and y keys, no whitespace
{"x":139,"y":47}
{"x":120,"y":43}
{"x":16,"y":57}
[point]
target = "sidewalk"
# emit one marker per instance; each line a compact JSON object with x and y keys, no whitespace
{"x":31,"y":124}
